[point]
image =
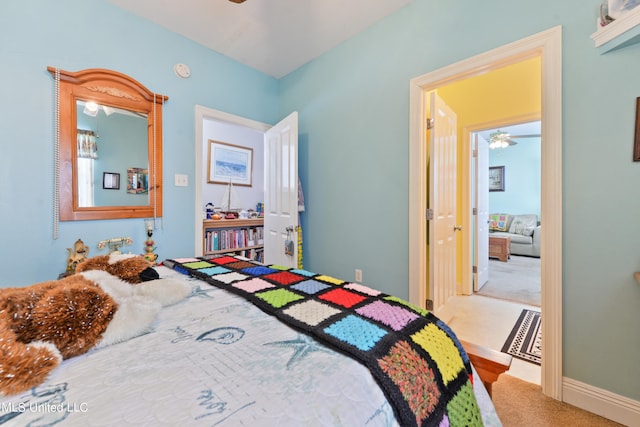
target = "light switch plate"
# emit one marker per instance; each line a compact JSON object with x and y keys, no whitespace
{"x":181,"y":180}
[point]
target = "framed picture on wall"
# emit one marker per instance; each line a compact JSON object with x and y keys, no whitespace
{"x":229,"y":163}
{"x":636,"y":144}
{"x":110,"y":181}
{"x":496,"y":178}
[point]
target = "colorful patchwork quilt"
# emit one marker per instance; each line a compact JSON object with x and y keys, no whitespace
{"x":415,"y":358}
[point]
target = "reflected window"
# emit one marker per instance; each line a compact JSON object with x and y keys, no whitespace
{"x":87,"y":154}
{"x":85,"y":183}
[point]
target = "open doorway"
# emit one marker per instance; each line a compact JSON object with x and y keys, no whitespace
{"x":505,"y":199}
{"x":546,"y":45}
{"x":279,"y":159}
{"x":507,"y":230}
{"x":511,"y":99}
{"x":230,"y":126}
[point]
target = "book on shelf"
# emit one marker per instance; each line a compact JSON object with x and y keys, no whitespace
{"x":233,"y":238}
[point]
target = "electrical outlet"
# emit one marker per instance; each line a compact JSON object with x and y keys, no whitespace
{"x":358,"y":275}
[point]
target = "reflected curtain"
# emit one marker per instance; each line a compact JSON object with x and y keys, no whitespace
{"x":87,"y":146}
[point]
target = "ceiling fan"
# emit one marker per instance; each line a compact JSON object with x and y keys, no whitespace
{"x":502,"y":139}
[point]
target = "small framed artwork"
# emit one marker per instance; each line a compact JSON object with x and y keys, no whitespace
{"x":229,"y":163}
{"x":110,"y":181}
{"x":137,"y":181}
{"x":636,"y":144}
{"x":496,"y":178}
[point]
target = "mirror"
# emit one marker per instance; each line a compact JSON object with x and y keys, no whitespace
{"x":110,"y":146}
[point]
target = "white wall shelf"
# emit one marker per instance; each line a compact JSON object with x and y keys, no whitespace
{"x":622,"y":32}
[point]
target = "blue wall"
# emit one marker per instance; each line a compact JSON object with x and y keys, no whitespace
{"x":79,"y":34}
{"x":354,"y":115}
{"x":521,"y":193}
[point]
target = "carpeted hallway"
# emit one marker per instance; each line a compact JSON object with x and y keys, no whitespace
{"x":486,"y":318}
{"x":516,"y":280}
{"x":522,"y":404}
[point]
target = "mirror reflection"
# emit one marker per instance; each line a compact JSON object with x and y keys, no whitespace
{"x":111,"y":141}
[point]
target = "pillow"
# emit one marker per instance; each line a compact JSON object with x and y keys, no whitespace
{"x":523,"y":224}
{"x":498,"y":222}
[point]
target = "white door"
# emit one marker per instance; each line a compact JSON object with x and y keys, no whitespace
{"x":442,"y":203}
{"x":281,"y":193}
{"x":481,"y":247}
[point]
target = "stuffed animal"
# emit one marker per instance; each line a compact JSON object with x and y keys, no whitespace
{"x":111,"y":298}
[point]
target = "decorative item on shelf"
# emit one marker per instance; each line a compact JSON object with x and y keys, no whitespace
{"x":617,"y":8}
{"x":149,"y":244}
{"x":230,"y":203}
{"x":77,"y":254}
{"x":209,"y":209}
{"x":115,"y":244}
{"x":260,"y":209}
{"x":604,"y":19}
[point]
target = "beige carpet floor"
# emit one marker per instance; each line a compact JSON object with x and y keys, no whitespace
{"x":517,"y":280}
{"x":522,"y":404}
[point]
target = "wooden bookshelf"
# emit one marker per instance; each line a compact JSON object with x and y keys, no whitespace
{"x":239,"y":236}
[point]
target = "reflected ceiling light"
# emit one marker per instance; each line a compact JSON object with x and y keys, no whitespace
{"x":500,"y":139}
{"x":90,"y":109}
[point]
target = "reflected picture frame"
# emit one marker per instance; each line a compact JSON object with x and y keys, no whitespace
{"x":137,"y":181}
{"x":229,"y":163}
{"x":636,"y":143}
{"x":110,"y":181}
{"x":496,"y":178}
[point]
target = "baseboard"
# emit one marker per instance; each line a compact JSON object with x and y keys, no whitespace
{"x":601,"y":402}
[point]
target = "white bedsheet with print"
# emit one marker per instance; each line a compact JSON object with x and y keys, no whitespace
{"x":211,"y":360}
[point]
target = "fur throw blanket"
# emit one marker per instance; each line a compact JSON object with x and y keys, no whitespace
{"x":110,"y":299}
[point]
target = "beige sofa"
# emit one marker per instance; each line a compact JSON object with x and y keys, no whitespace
{"x":523,"y":229}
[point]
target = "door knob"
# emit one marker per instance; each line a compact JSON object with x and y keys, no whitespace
{"x":457,"y":227}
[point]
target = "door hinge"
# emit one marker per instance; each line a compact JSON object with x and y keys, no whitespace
{"x":474,"y":269}
{"x":429,"y":214}
{"x":430,"y":123}
{"x":475,"y":211}
{"x":475,"y":153}
{"x":429,"y":304}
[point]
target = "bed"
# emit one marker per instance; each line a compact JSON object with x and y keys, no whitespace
{"x":256,"y":345}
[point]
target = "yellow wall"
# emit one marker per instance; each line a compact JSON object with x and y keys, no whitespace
{"x":503,"y":96}
{"x":512,"y":91}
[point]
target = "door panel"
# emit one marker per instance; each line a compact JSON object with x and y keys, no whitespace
{"x":442,"y":201}
{"x":281,"y":197}
{"x":481,"y":218}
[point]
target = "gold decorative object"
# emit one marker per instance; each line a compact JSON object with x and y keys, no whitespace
{"x":79,"y":253}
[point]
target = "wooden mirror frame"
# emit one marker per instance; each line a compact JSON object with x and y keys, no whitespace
{"x":115,"y":89}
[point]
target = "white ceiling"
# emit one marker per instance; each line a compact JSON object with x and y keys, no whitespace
{"x":273,"y":36}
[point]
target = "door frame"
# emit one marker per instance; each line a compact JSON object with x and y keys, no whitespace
{"x":204,"y":113}
{"x":548,"y":45}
